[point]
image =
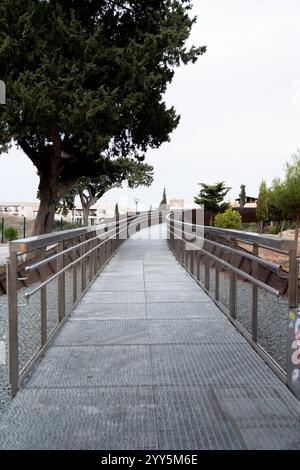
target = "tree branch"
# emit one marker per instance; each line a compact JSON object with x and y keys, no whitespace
{"x":30,"y":152}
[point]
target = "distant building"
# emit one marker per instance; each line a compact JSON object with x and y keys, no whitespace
{"x":249,"y":200}
{"x":98,"y":212}
{"x":19,"y":209}
{"x":176,"y":204}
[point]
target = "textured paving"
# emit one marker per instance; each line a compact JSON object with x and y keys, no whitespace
{"x":147,"y":361}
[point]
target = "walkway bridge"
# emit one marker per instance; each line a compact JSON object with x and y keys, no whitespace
{"x":151,"y":342}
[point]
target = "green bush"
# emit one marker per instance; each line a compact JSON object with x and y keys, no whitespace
{"x":272,"y":229}
{"x":10,"y":233}
{"x":228,"y":219}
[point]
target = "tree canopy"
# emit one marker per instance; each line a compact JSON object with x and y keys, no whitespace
{"x":284,"y":194}
{"x":212,"y":197}
{"x":115,"y":173}
{"x":85,"y":80}
{"x":262,"y":204}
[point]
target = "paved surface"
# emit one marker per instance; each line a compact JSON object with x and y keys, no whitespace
{"x":147,"y":361}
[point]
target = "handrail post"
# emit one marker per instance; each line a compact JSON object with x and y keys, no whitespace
{"x":74,"y":269}
{"x":13,"y":361}
{"x":43,"y":301}
{"x":207,"y":272}
{"x":83,"y":266}
{"x":254,"y":294}
{"x":171,"y":227}
{"x":233,"y":283}
{"x":293,"y":336}
{"x":61,"y":284}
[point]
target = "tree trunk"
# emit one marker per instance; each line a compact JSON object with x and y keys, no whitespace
{"x":86,"y":213}
{"x":282,"y":227}
{"x":86,"y":202}
{"x":45,"y":217}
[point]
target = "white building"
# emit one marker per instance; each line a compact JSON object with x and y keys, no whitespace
{"x":98,"y":212}
{"x":20,"y":209}
{"x":176,"y":203}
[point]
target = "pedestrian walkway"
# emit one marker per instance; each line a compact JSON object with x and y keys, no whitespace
{"x":147,"y":361}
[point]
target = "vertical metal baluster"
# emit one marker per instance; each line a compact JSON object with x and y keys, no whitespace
{"x":74,"y":269}
{"x":254,"y":294}
{"x":198,"y":264}
{"x":83,"y":265}
{"x":43,"y":309}
{"x":193,"y":261}
{"x":90,"y":246}
{"x":233,"y":283}
{"x":207,"y":272}
{"x":217,"y":281}
{"x":61,"y":284}
{"x":13,"y":322}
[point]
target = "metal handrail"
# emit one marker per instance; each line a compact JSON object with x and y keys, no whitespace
{"x":183,"y":239}
{"x":274,"y":266}
{"x":25,"y":245}
{"x":29,"y":294}
{"x":268,"y":241}
{"x":68,"y":250}
{"x":240,"y":272}
{"x":101,"y":246}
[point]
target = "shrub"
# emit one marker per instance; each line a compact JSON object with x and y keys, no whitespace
{"x":272,"y":229}
{"x":228,"y":219}
{"x":11,"y":233}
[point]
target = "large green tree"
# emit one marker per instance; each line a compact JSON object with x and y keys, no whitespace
{"x":212,"y":196}
{"x":284,"y":194}
{"x":116,"y":171}
{"x":86,"y":78}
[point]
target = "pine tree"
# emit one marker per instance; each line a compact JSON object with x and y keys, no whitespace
{"x":242,"y":195}
{"x":212,"y":198}
{"x":262,"y":205}
{"x":163,"y":203}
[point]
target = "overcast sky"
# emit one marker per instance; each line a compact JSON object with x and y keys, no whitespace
{"x":239,"y":107}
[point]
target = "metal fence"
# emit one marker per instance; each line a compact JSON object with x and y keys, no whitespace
{"x":258,"y":291}
{"x":245,"y":274}
{"x":67,"y":262}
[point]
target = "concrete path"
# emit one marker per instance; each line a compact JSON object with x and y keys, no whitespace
{"x":147,"y":361}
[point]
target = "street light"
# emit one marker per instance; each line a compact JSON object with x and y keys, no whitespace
{"x":136,"y":204}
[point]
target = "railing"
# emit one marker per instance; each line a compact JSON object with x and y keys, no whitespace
{"x":253,"y":279}
{"x":67,"y":263}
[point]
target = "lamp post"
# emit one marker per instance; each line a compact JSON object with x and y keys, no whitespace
{"x":136,"y":204}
